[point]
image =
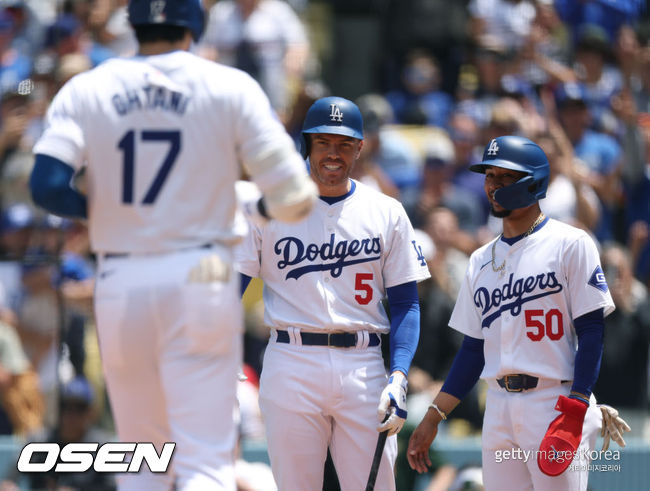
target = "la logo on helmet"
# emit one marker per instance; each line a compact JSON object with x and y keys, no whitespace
{"x":336,"y":114}
{"x":493,"y":148}
{"x":157,"y":11}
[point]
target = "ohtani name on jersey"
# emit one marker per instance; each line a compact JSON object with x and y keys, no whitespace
{"x":148,"y":98}
{"x":293,"y":252}
{"x":497,"y":298}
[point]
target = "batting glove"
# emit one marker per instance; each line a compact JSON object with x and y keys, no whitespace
{"x":613,"y":426}
{"x":560,"y":443}
{"x":210,"y":269}
{"x":393,"y":403}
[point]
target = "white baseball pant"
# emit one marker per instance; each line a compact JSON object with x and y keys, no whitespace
{"x":315,"y":396}
{"x":519,"y":420}
{"x":171,"y":351}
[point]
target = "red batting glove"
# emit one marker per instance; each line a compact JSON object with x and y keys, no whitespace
{"x":562,"y":438}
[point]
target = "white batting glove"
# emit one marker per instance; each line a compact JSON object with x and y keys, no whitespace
{"x":613,"y":426}
{"x":210,"y":269}
{"x":393,"y":403}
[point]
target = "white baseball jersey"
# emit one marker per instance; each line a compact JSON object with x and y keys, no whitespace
{"x":145,"y":127}
{"x":331,"y":271}
{"x":525,"y":312}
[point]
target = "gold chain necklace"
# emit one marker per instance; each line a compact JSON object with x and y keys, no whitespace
{"x":496,"y":268}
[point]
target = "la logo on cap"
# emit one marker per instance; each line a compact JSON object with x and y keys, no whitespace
{"x":493,"y":148}
{"x":336,"y":114}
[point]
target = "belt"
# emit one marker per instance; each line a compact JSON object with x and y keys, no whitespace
{"x":331,"y":339}
{"x":518,"y":382}
{"x":115,"y":255}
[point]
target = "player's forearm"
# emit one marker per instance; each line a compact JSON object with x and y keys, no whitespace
{"x":50,"y":185}
{"x":466,"y":368}
{"x":445,"y":404}
{"x":404,"y":325}
{"x":589,"y":329}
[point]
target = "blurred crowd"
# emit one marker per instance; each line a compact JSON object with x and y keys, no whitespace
{"x":435,"y":81}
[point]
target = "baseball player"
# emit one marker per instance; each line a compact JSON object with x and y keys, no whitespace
{"x":161,"y":136}
{"x":323,"y":382}
{"x":531,"y":308}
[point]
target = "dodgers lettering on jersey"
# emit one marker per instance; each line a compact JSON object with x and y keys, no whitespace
{"x":294,"y":252}
{"x":347,"y":251}
{"x":525,"y":312}
{"x":513,"y":295}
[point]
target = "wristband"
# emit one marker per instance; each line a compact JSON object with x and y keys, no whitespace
{"x":442,"y":414}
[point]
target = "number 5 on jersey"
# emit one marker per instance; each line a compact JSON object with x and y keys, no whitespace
{"x":361,"y":284}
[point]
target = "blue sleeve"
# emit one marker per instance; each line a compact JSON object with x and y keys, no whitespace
{"x":50,"y":185}
{"x":466,"y":369}
{"x":244,"y":280}
{"x":589,"y":329}
{"x":404,"y":305}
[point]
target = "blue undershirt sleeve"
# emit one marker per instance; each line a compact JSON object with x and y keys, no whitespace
{"x":590,"y":329}
{"x":404,"y":305}
{"x":244,"y":280}
{"x":466,"y":368}
{"x":50,"y":185}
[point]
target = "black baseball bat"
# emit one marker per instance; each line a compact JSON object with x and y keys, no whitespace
{"x":376,"y":459}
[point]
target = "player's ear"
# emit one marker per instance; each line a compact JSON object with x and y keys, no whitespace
{"x":359,"y":149}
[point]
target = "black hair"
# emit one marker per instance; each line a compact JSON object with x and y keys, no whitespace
{"x":149,"y":33}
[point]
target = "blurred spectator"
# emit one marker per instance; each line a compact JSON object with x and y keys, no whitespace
{"x":76,"y":425}
{"x":14,"y":65}
{"x":309,"y":91}
{"x":437,"y":26}
{"x":28,"y":28}
{"x":420,"y":95}
{"x":466,"y":195}
{"x":601,"y":79}
{"x":600,"y":153}
{"x":67,"y":36}
{"x":386,"y":153}
{"x":568,"y":198}
{"x":636,"y":176}
{"x":503,"y":23}
{"x":21,"y":402}
{"x":16,"y":226}
{"x":117,"y":34}
{"x":608,"y":14}
{"x":15,"y":117}
{"x":376,"y":112}
{"x":547,"y":49}
{"x":627,"y":335}
{"x":262,"y":37}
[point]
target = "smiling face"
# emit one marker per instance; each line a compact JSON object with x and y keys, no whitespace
{"x":496,"y":178}
{"x":331,"y":159}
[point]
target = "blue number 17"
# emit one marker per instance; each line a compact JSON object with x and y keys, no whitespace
{"x":127,"y":145}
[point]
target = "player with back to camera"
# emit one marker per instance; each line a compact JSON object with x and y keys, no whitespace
{"x":161,"y":136}
{"x":532,"y":309}
{"x":323,"y":381}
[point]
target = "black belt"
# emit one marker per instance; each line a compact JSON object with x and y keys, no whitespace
{"x":518,"y":382}
{"x":332,"y":339}
{"x":114,"y":255}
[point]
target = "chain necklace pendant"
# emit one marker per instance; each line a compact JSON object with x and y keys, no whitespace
{"x":501,"y":268}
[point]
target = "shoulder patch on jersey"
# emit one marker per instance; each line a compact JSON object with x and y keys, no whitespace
{"x":598,"y":280}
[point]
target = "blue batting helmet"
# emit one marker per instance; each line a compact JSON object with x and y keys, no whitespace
{"x":183,"y":13}
{"x":334,"y":116}
{"x":520,"y":154}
